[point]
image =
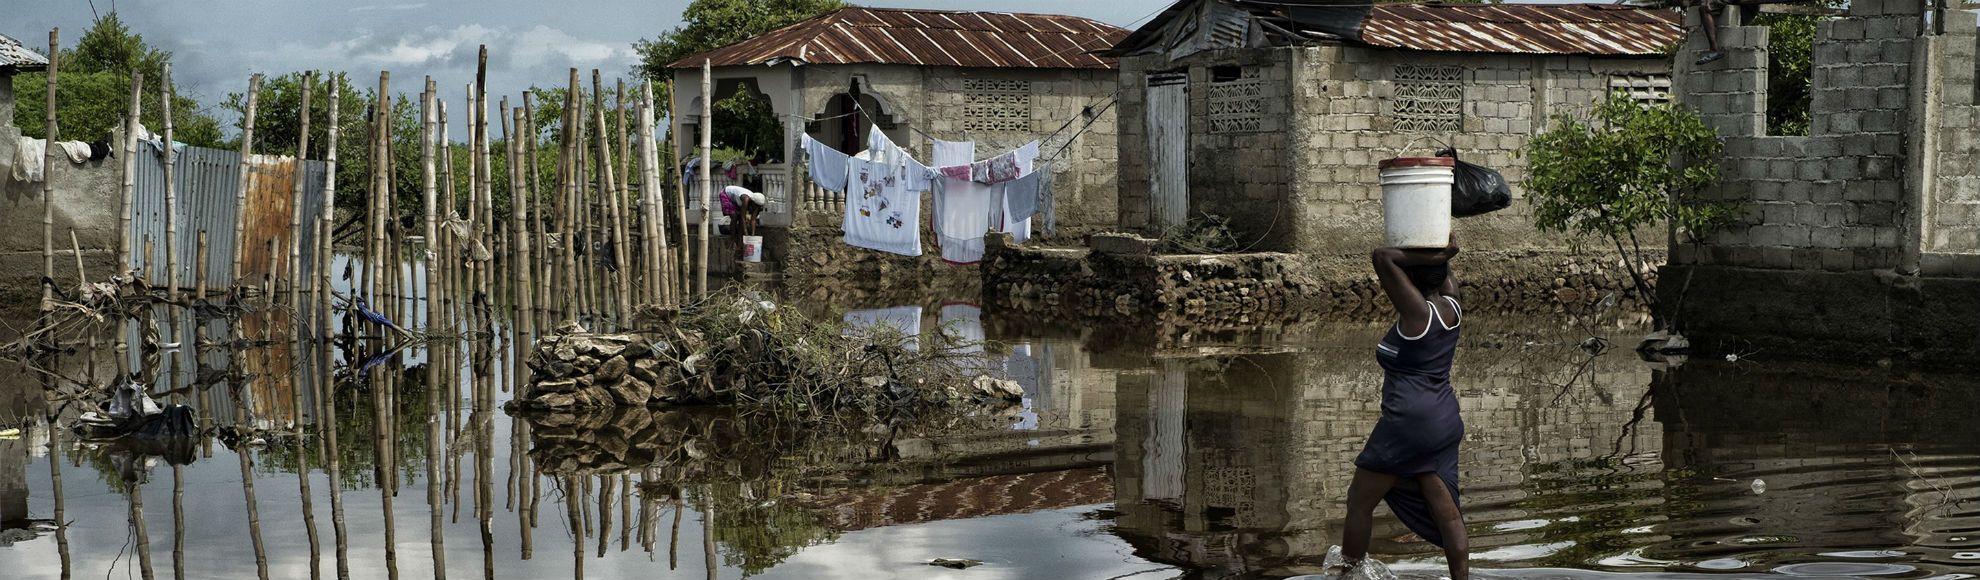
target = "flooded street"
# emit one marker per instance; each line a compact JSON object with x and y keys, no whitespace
{"x":1132,"y":457}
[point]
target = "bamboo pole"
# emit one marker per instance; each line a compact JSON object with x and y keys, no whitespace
{"x":450,"y":261}
{"x":707,"y":182}
{"x":566,"y":201}
{"x":328,"y":223}
{"x":581,"y":208}
{"x":487,"y":211}
{"x":51,"y":159}
{"x":609,"y":188}
{"x":678,"y":183}
{"x":620,"y":212}
{"x":240,"y":194}
{"x":429,"y":193}
{"x":199,"y":269}
{"x":171,"y":189}
{"x":524,"y":287}
{"x":501,"y":263}
{"x":652,"y":226}
{"x":295,"y":219}
{"x":535,"y":264}
{"x":381,"y":131}
{"x":129,"y":190}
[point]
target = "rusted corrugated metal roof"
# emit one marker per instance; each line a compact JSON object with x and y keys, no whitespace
{"x":1593,"y":29}
{"x":858,"y":35}
{"x":17,"y":58}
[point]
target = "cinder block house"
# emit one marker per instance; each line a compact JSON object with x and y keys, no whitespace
{"x":1274,"y":114}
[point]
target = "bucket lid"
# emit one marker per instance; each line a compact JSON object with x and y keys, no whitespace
{"x":1418,"y":162}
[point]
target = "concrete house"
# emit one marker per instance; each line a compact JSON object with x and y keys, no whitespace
{"x":1274,"y":114}
{"x":1001,"y":79}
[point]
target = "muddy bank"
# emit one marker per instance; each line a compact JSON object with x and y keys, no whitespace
{"x":1120,"y":277}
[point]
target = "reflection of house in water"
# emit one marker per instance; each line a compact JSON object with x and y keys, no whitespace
{"x":1239,"y":465}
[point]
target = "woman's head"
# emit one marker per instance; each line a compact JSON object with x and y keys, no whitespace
{"x":1428,"y":279}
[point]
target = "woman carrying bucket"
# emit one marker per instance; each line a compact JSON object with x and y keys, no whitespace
{"x":1411,"y":457}
{"x":744,"y":206}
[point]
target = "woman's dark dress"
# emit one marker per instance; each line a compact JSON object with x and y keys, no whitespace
{"x":1420,"y":428}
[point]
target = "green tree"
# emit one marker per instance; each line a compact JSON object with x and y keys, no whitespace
{"x":711,"y":24}
{"x":1790,"y":84}
{"x":743,"y":121}
{"x":1625,"y":167}
{"x":94,"y":90}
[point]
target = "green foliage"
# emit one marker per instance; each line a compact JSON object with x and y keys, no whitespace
{"x":1626,"y":167}
{"x":743,"y":120}
{"x":1790,"y":84}
{"x":1620,"y":170}
{"x":711,"y":24}
{"x":94,"y":90}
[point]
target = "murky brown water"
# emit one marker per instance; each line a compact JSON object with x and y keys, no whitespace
{"x":1204,"y":458}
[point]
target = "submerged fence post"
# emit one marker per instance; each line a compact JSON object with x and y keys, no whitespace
{"x":171,"y":190}
{"x":50,"y":160}
{"x":240,"y":196}
{"x":707,"y":183}
{"x":295,"y":219}
{"x":524,"y":291}
{"x":428,"y":126}
{"x":328,"y":224}
{"x":129,"y":190}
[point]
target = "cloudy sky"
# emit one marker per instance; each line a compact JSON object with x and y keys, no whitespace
{"x":218,"y":43}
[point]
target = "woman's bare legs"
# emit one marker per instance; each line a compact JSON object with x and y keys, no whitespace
{"x":1450,"y":523}
{"x":1364,"y":492}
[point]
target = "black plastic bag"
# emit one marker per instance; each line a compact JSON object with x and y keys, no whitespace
{"x":1479,"y":190}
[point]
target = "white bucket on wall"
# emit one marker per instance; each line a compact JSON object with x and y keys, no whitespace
{"x":752,"y":249}
{"x":1416,"y":201}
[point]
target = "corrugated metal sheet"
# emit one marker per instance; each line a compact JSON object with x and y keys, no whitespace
{"x":16,"y":57}
{"x":858,"y":35}
{"x":1592,"y":29}
{"x":208,"y":183}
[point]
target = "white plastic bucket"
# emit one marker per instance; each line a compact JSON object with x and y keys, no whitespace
{"x":1416,"y":201}
{"x":752,"y":249}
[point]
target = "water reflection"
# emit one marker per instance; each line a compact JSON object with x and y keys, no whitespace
{"x":1188,"y":456}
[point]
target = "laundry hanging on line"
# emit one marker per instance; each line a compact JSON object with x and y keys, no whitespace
{"x":881,"y":213}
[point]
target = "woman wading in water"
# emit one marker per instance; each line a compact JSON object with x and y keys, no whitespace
{"x":1411,"y":458}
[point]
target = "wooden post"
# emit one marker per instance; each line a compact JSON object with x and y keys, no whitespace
{"x":324,"y":287}
{"x":525,"y":302}
{"x":428,"y":126}
{"x":240,"y":194}
{"x":537,"y":270}
{"x":171,"y":190}
{"x":381,"y":188}
{"x":449,"y":246}
{"x":52,"y":159}
{"x":129,"y":190}
{"x":295,"y":220}
{"x":608,"y":188}
{"x":582,"y":210}
{"x":707,"y":159}
{"x":199,"y":268}
{"x":486,"y":221}
{"x":652,"y":226}
{"x":567,"y":201}
{"x":620,"y":211}
{"x":678,"y":183}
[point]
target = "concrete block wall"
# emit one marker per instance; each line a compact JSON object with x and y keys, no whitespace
{"x":1344,"y":124}
{"x":1835,"y":200}
{"x":1952,"y":239}
{"x":1238,"y":175}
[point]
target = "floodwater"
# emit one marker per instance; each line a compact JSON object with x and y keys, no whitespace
{"x":1133,"y":457}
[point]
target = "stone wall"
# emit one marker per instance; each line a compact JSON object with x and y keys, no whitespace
{"x":1304,"y":177}
{"x":1121,"y":280}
